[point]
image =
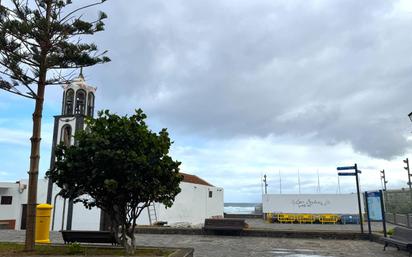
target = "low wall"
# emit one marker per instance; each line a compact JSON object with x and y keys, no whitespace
{"x":342,"y":235}
{"x":243,"y":216}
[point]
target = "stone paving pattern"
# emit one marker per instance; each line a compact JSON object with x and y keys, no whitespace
{"x":228,"y":246}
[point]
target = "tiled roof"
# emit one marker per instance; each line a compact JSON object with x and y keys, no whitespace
{"x":194,"y":179}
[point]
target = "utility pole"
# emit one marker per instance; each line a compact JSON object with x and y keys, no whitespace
{"x":265,"y":184}
{"x":280,"y":183}
{"x":383,"y":179}
{"x":409,"y":173}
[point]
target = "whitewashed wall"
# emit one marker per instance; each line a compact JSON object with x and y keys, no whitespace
{"x":311,"y":203}
{"x":19,"y":194}
{"x":11,"y":212}
{"x":192,"y":205}
{"x":83,"y":218}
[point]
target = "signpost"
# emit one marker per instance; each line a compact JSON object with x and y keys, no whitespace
{"x":356,"y":174}
{"x":375,"y":209}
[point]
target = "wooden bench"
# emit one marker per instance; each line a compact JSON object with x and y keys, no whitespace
{"x":401,"y":239}
{"x":225,"y":226}
{"x":85,"y":236}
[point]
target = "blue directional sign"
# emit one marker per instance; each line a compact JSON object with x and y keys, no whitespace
{"x":346,"y":173}
{"x":346,"y":168}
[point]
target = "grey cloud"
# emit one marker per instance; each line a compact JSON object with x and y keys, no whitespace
{"x":338,"y":71}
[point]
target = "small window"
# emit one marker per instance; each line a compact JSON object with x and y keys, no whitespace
{"x":6,"y":200}
{"x":210,"y":194}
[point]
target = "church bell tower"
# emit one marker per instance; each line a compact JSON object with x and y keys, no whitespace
{"x":77,"y":104}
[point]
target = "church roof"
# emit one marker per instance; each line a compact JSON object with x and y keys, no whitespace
{"x":188,"y":178}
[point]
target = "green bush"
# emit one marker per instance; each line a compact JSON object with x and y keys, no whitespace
{"x":75,"y":248}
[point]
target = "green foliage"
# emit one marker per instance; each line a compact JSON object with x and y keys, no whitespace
{"x":390,"y":232}
{"x":75,"y":249}
{"x":45,"y":35}
{"x":119,"y":165}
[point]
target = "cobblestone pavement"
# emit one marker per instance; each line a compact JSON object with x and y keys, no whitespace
{"x":224,"y":246}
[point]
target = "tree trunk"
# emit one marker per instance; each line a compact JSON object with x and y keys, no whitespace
{"x":34,"y":169}
{"x":36,"y":137}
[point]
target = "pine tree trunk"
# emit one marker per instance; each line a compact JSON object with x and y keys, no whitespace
{"x":36,"y":137}
{"x":34,"y":169}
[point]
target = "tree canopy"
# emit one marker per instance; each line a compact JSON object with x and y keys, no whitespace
{"x":119,"y":165}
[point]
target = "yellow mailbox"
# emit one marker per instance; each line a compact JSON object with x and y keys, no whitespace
{"x":43,"y":214}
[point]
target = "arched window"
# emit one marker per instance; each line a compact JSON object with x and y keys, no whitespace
{"x":66,"y":135}
{"x":80,"y":101}
{"x":69,"y":101}
{"x":90,"y":104}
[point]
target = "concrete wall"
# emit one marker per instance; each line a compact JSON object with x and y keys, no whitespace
{"x":192,"y":205}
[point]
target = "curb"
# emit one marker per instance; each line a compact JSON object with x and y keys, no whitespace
{"x":342,"y":235}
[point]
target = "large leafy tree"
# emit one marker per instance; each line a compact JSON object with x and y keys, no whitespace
{"x":119,"y":165}
{"x":40,"y":45}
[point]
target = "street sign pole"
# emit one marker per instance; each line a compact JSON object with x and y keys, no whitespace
{"x":359,"y":198}
{"x":356,"y":174}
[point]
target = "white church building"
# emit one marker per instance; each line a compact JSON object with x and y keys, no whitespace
{"x":197,"y":200}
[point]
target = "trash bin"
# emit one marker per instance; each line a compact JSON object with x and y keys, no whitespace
{"x":350,"y":219}
{"x":43,"y":214}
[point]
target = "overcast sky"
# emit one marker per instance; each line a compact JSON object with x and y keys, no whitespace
{"x":247,"y":88}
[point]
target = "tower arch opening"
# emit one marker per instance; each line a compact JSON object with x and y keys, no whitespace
{"x":80,"y":101}
{"x":90,"y":104}
{"x":66,"y":135}
{"x":69,"y":101}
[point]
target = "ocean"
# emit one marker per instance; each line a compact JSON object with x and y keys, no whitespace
{"x":241,"y":208}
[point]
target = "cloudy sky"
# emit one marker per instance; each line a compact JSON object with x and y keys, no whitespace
{"x":247,"y":88}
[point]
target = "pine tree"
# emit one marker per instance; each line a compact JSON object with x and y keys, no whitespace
{"x":40,"y":45}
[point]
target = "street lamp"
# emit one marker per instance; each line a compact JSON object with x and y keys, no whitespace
{"x":410,"y":116}
{"x":383,"y":179}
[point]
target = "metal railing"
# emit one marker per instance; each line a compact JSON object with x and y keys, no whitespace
{"x":404,"y":220}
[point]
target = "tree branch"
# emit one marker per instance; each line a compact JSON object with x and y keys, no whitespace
{"x":78,"y":9}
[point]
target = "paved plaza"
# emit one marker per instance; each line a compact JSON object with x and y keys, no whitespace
{"x":229,"y":246}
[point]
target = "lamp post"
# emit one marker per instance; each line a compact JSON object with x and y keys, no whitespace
{"x":406,"y":161}
{"x":265,"y":184}
{"x":410,"y":116}
{"x":383,"y":179}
